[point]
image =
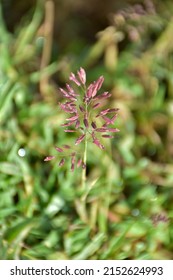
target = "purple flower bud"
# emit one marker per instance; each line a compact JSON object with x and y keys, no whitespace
{"x":107,"y":129}
{"x":102,"y":113}
{"x":103,"y":96}
{"x":66,"y":146}
{"x":93,"y":88}
{"x":96,"y":105}
{"x":89,"y":91}
{"x":67,"y":108}
{"x":113,"y":110}
{"x":74,"y":118}
{"x":113,"y":130}
{"x":77,"y":124}
{"x":73,"y":78}
{"x":64,"y":92}
{"x":81,"y":109}
{"x":98,"y":144}
{"x":93,"y":124}
{"x":101,"y":129}
{"x":110,"y":121}
{"x":99,"y":83}
{"x":71,"y":90}
{"x":49,"y":158}
{"x":69,"y":103}
{"x":67,"y":124}
{"x":105,"y":112}
{"x":82,"y":75}
{"x":80,"y":139}
{"x":86,"y":123}
{"x":59,"y":149}
{"x":61,"y":163}
{"x":83,"y":165}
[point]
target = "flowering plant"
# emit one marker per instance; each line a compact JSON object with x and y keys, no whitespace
{"x":90,"y":124}
{"x":88,"y":121}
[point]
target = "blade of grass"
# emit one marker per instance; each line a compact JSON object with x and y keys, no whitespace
{"x":91,"y":248}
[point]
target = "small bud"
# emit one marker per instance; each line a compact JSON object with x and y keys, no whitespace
{"x":96,"y":105}
{"x":105,"y":112}
{"x":102,"y":96}
{"x":99,"y":83}
{"x":82,"y":75}
{"x":71,"y":90}
{"x":49,"y":158}
{"x":101,"y":129}
{"x":93,"y":124}
{"x":67,"y":108}
{"x":59,"y":149}
{"x":80,"y":139}
{"x":113,"y":130}
{"x":65,"y":93}
{"x":81,"y":109}
{"x":67,"y":124}
{"x":73,"y":78}
{"x":109,"y":121}
{"x":86,"y":123}
{"x":77,"y":124}
{"x":89,"y":92}
{"x":66,"y":146}
{"x":98,"y":144}
{"x":107,"y":129}
{"x":102,"y":113}
{"x":113,"y":110}
{"x":74,"y":118}
{"x":61,"y":163}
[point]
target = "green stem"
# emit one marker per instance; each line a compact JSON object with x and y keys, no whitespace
{"x":85,"y":155}
{"x":84,"y":214}
{"x":84,"y":169}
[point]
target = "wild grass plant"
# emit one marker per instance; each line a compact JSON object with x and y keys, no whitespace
{"x":126,"y":209}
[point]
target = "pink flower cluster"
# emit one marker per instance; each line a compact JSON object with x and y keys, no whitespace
{"x":82,"y":105}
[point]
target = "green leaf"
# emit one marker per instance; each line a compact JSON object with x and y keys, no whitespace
{"x":91,"y":248}
{"x":16,"y":233}
{"x":116,"y":242}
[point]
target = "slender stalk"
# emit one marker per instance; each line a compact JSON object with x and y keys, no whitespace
{"x":84,"y":169}
{"x":85,"y":154}
{"x":83,"y":179}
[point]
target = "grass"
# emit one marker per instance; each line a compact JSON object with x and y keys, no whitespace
{"x":127,"y":184}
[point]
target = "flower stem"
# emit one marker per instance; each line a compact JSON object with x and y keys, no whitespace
{"x":85,"y":156}
{"x":83,"y":179}
{"x":84,"y":169}
{"x":81,"y":202}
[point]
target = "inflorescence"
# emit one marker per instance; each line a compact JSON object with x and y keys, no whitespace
{"x":85,"y":119}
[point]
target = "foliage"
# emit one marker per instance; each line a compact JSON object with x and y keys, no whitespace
{"x":129,"y":186}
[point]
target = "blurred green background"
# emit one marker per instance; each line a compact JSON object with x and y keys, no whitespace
{"x":130,"y":185}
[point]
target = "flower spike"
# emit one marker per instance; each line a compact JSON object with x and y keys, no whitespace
{"x":82,"y":105}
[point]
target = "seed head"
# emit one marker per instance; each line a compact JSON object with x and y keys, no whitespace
{"x":90,"y":123}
